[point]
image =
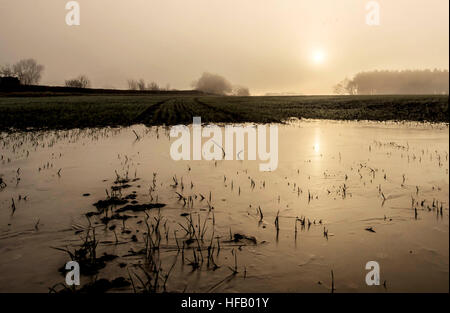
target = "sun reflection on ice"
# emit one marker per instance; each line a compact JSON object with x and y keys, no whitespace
{"x":316,"y":146}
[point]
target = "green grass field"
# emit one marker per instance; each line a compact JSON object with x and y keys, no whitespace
{"x":63,"y":112}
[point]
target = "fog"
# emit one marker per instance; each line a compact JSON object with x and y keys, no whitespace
{"x":267,"y":46}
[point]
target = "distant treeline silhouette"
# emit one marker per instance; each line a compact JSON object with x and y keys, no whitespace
{"x":142,"y":85}
{"x":407,"y":82}
{"x":81,"y":81}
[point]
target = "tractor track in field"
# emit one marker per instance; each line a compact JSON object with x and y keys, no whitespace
{"x":230,"y":116}
{"x":158,"y":114}
{"x":147,"y":116}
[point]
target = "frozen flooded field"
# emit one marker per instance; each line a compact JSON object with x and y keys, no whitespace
{"x":344,"y":194}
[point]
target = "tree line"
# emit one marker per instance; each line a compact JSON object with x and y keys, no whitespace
{"x":395,"y":82}
{"x":208,"y":83}
{"x":140,"y":84}
{"x":29,"y":72}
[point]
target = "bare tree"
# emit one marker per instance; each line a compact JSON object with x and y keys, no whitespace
{"x":7,"y":71}
{"x":341,"y":87}
{"x":28,"y":71}
{"x":132,"y":84}
{"x":345,"y":87}
{"x":80,"y":82}
{"x":153,"y":86}
{"x":141,"y":84}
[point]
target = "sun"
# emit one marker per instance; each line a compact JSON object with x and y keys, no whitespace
{"x":318,"y":56}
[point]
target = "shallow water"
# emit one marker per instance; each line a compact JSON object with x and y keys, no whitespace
{"x":386,"y":169}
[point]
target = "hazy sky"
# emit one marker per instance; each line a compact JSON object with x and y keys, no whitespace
{"x":302,"y":46}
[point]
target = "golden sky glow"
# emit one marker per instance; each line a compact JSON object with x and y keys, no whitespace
{"x":302,"y":46}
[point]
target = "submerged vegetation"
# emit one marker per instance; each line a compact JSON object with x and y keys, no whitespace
{"x":135,"y":225}
{"x":194,"y":242}
{"x":65,"y":112}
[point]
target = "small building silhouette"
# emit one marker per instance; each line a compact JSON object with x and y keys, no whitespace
{"x":9,"y":83}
